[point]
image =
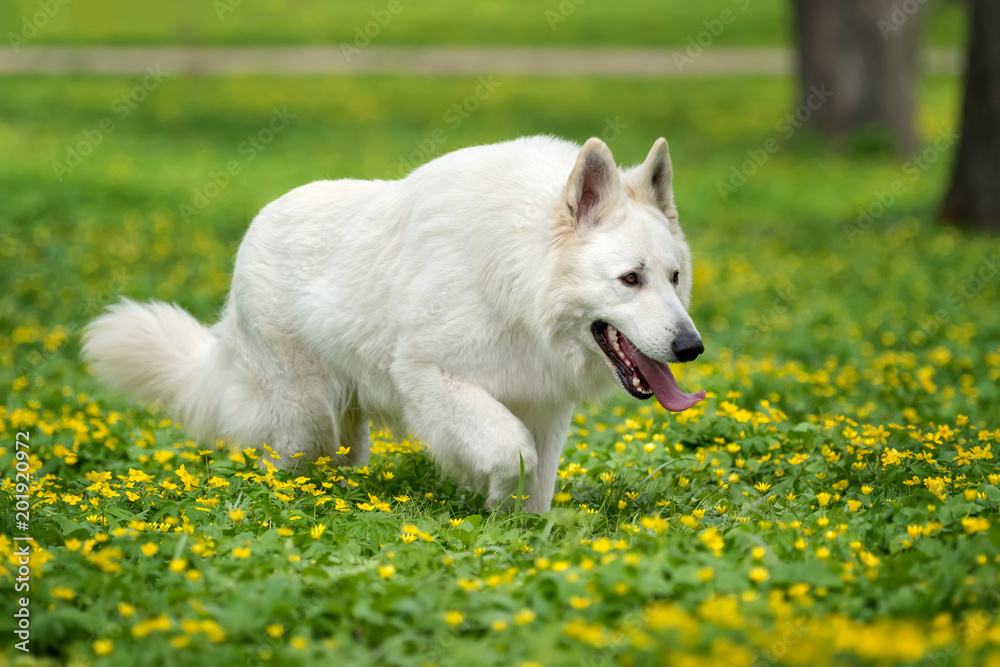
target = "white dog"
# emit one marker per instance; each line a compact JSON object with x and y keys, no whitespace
{"x":472,"y":304}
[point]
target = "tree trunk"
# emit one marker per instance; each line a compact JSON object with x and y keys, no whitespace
{"x":866,"y":54}
{"x":974,"y":197}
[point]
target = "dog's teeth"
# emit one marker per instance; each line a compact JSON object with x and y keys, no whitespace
{"x":635,"y":381}
{"x":618,"y":348}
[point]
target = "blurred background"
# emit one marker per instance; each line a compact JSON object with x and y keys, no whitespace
{"x":836,"y":163}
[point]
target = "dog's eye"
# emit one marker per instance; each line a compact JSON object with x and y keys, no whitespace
{"x":631,"y":279}
{"x":676,"y":277}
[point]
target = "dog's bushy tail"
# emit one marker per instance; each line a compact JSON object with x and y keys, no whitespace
{"x":157,"y":352}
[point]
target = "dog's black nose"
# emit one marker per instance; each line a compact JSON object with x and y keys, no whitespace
{"x":687,"y":347}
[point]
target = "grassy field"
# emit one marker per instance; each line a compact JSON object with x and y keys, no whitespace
{"x":834,"y":501}
{"x":407,"y":22}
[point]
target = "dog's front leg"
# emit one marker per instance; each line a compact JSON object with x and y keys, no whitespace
{"x":548,"y":425}
{"x":467,"y":431}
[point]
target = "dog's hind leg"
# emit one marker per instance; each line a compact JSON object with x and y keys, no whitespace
{"x":467,"y":431}
{"x":355,"y":434}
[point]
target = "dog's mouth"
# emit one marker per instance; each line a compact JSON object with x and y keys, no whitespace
{"x":639,"y":375}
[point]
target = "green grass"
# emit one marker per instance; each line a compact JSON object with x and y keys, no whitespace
{"x":649,"y":23}
{"x":835,"y":500}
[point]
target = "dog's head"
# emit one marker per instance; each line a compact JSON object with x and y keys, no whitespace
{"x":631,"y":269}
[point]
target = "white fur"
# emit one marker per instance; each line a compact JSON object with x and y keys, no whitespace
{"x":454,"y":304}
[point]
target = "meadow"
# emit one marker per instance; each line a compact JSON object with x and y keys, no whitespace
{"x":646,"y":23}
{"x":834,"y":500}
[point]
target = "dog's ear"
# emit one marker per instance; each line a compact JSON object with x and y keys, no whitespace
{"x":594,"y":185}
{"x":652,"y":181}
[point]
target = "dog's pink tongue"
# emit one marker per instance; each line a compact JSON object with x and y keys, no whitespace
{"x":664,"y":386}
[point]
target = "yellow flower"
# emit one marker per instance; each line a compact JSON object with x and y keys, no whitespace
{"x":180,"y":641}
{"x":275,"y":630}
{"x":759,"y":574}
{"x":578,"y":602}
{"x":125,"y":609}
{"x":149,"y":548}
{"x":869,"y":559}
{"x":601,"y":546}
{"x":758,"y":552}
{"x":853,"y":505}
{"x":386,"y":571}
{"x":73,"y":544}
{"x":284,"y":531}
{"x":798,"y":590}
{"x":454,"y":617}
{"x":468,"y":584}
{"x":63,"y":593}
{"x":178,"y":565}
{"x":975,"y":524}
{"x":866,"y":489}
{"x":499,"y":625}
{"x":299,"y":642}
{"x":103,"y":646}
{"x":317,"y":530}
{"x":891,"y":457}
{"x":706,"y":574}
{"x":763,"y":487}
{"x":823,"y":498}
{"x":524,"y":617}
{"x":241,"y":552}
{"x":237,"y":515}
